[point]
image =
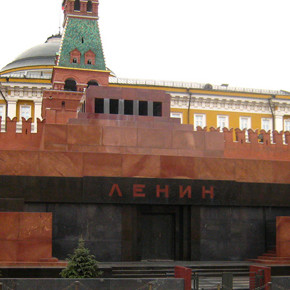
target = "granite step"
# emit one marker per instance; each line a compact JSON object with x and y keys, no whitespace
{"x":269,"y":255}
{"x":270,"y":262}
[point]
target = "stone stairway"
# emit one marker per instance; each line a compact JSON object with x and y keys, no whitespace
{"x":161,"y":271}
{"x":271,"y":258}
{"x":209,"y":275}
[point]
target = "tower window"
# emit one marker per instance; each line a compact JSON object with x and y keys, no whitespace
{"x":77,"y":5}
{"x":75,"y":56}
{"x":92,"y":83}
{"x":89,"y":6}
{"x":83,"y":40}
{"x":90,"y":57}
{"x":70,"y":85}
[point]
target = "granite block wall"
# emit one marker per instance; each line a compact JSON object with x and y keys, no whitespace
{"x":280,"y":283}
{"x":208,"y":232}
{"x":231,"y":233}
{"x":270,"y":223}
{"x":98,"y":225}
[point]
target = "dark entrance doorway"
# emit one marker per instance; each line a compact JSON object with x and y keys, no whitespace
{"x":157,"y":236}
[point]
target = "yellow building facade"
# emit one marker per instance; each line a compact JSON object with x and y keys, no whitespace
{"x":23,"y":81}
{"x":208,"y":106}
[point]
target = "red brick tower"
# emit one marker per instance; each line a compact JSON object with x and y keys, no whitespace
{"x":79,"y":64}
{"x":80,"y":61}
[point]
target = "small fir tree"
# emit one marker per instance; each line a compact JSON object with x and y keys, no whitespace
{"x":81,"y":264}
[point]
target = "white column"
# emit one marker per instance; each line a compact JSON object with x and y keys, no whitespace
{"x":37,"y":111}
{"x":12,"y":109}
{"x":37,"y":114}
{"x":278,"y":122}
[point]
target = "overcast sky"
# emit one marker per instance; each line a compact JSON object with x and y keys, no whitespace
{"x":244,"y":43}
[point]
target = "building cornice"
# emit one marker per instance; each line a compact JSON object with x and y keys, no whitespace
{"x":229,"y":104}
{"x":195,"y":86}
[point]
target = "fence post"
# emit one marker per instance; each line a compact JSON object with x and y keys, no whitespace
{"x":195,"y":281}
{"x":77,"y":284}
{"x":185,"y":273}
{"x":227,"y":281}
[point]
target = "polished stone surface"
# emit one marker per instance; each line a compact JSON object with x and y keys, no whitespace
{"x":283,"y":236}
{"x":25,"y":237}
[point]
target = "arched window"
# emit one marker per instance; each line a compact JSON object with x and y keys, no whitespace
{"x":89,"y":6}
{"x":70,"y":85}
{"x":75,"y":60}
{"x":93,"y":83}
{"x":77,"y":5}
{"x":89,"y":61}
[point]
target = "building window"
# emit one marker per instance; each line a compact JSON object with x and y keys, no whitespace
{"x":143,"y":108}
{"x":2,"y":112}
{"x":222,"y":121}
{"x":266,"y":124}
{"x":199,"y":120}
{"x":157,"y":109}
{"x":89,"y":61}
{"x":128,"y":107}
{"x":75,"y":60}
{"x":99,"y":106}
{"x":114,"y":106}
{"x":25,"y":112}
{"x":177,"y":115}
{"x":245,"y":123}
{"x":287,"y":125}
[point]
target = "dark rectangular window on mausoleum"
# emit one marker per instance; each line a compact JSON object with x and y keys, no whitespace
{"x":128,"y":107}
{"x":157,"y":109}
{"x":114,"y":106}
{"x":99,"y":106}
{"x":143,"y":108}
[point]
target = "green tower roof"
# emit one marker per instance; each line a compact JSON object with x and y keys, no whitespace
{"x":83,"y":35}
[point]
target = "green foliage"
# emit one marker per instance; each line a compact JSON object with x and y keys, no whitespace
{"x":81,"y":264}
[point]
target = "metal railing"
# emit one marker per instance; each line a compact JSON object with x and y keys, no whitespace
{"x":227,"y":281}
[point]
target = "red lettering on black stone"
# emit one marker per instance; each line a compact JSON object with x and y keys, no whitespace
{"x":116,"y":188}
{"x":138,"y":190}
{"x":162,"y":190}
{"x":210,"y":192}
{"x":184,"y":192}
